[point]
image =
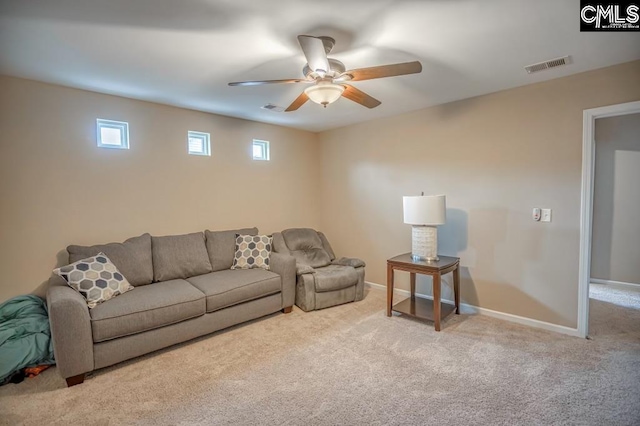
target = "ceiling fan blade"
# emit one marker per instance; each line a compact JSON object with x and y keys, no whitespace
{"x":300,"y":100}
{"x":358,"y":96}
{"x":260,"y":82}
{"x":313,"y":49}
{"x":384,"y":71}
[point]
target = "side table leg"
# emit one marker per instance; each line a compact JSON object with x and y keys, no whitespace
{"x":389,"y":289}
{"x":412,"y":280}
{"x":456,"y":288}
{"x":436,"y":301}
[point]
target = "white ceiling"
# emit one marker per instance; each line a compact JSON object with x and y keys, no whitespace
{"x":185,"y":52}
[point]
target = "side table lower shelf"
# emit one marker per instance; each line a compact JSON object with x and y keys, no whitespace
{"x":422,"y":308}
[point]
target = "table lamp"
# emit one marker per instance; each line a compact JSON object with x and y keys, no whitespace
{"x":424,"y":213}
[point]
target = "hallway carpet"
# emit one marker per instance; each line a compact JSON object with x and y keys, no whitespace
{"x":351,"y":365}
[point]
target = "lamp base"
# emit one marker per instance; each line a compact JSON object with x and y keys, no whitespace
{"x":424,"y":243}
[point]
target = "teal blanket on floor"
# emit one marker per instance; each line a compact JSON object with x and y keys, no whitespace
{"x":25,"y":337}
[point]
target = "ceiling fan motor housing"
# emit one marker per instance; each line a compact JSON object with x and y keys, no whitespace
{"x":336,"y":68}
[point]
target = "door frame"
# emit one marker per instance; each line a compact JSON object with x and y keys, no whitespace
{"x":589,"y":117}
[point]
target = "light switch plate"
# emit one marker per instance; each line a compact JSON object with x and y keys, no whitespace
{"x":546,"y":215}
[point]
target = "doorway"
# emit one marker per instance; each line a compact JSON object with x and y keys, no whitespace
{"x":586,"y":206}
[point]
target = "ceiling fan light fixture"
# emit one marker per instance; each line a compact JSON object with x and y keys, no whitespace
{"x":324,"y":93}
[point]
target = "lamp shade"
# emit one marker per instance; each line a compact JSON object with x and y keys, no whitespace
{"x":324,"y":93}
{"x":424,"y":209}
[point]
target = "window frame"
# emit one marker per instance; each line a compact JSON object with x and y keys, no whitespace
{"x":206,"y":139}
{"x":123,"y":126}
{"x":266,"y":151}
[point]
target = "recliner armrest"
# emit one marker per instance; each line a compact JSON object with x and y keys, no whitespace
{"x":70,"y":330}
{"x":349,"y":261}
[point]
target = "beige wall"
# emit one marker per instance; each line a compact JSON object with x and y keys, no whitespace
{"x":58,"y":188}
{"x":615,"y":242}
{"x":495,"y":157}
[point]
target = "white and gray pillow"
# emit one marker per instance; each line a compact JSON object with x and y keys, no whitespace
{"x":96,"y":278}
{"x":252,"y":251}
{"x":221,"y":246}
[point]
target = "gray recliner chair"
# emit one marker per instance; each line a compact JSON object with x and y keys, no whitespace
{"x":322,"y":280}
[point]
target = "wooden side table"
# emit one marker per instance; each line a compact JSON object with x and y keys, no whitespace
{"x":421,"y":308}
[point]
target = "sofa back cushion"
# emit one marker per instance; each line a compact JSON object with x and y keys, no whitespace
{"x":306,"y":246}
{"x":132,"y":258}
{"x":179,"y":256}
{"x":221,"y":246}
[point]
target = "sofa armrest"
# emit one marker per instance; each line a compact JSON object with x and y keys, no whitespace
{"x":349,"y":261}
{"x":302,"y":269}
{"x":70,"y":330}
{"x":285,"y":266}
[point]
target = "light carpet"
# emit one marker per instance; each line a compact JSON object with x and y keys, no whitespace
{"x":351,"y":365}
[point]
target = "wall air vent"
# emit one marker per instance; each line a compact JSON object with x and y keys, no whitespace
{"x":272,"y":107}
{"x":552,"y":63}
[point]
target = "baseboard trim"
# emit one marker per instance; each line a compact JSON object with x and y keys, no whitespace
{"x":471,"y":309}
{"x":615,"y":283}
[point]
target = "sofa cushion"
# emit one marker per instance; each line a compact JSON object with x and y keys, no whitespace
{"x":233,"y":286}
{"x":132,"y":258}
{"x":335,"y":277}
{"x":179,"y":256}
{"x":221,"y":246}
{"x":96,"y":278}
{"x":306,"y":246}
{"x":252,"y":251}
{"x":146,"y":308}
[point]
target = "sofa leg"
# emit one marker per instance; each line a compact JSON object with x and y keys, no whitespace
{"x":287,"y":310}
{"x":75,"y":380}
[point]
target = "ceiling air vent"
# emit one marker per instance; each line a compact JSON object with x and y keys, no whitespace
{"x":552,"y":63}
{"x":272,"y":107}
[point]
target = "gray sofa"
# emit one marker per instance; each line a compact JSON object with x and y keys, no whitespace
{"x":184,"y":288}
{"x":322,"y":280}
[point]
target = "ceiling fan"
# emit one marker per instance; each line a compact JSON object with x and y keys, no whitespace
{"x":329,"y":78}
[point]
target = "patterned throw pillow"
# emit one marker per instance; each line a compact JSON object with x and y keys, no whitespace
{"x":252,"y":251}
{"x":95,"y":278}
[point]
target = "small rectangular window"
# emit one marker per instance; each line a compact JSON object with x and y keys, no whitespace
{"x":260,"y":150}
{"x":112,"y":134}
{"x":198,"y":143}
